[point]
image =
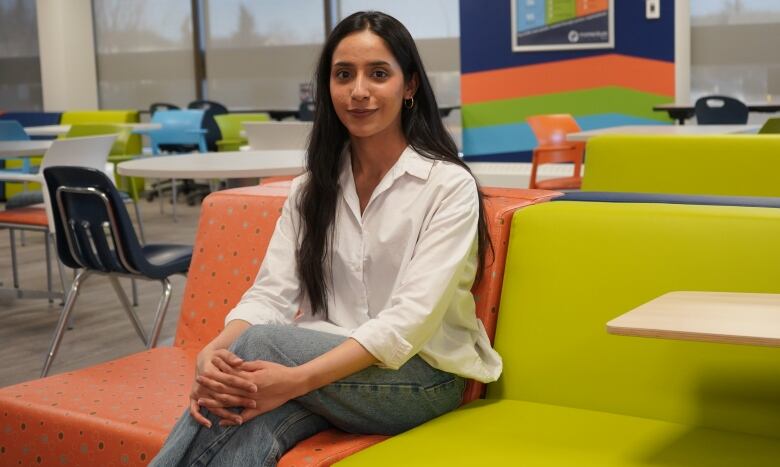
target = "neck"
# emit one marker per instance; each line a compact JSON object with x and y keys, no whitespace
{"x":374,"y":156}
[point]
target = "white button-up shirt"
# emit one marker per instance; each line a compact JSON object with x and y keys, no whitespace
{"x":401,"y":272}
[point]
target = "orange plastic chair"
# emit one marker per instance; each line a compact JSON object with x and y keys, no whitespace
{"x":550,"y":132}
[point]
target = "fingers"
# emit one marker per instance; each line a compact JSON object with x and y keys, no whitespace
{"x":195,"y":413}
{"x":228,"y":356}
{"x":222,"y":384}
{"x":218,"y":400}
{"x":227,"y":376}
{"x":252,"y":366}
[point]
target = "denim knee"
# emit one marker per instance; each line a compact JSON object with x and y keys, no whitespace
{"x":258,"y":342}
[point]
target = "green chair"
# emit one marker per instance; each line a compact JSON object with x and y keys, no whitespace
{"x":230,"y":127}
{"x":99,"y":116}
{"x":770,"y":127}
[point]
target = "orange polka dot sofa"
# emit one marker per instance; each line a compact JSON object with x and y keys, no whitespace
{"x":120,"y":412}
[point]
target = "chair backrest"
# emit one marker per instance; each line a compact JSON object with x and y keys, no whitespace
{"x":126,"y":143}
{"x":11,"y":130}
{"x":735,"y":165}
{"x":89,"y":152}
{"x":554,"y":343}
{"x":277,"y":135}
{"x":770,"y":127}
{"x":723,"y":110}
{"x":94,"y":230}
{"x":100,"y":116}
{"x":33,"y":118}
{"x":230,"y":124}
{"x":211,"y":109}
{"x":154,"y":107}
{"x":551,"y":130}
{"x":306,"y":111}
{"x":179,"y":127}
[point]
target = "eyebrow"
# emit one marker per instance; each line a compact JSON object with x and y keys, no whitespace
{"x":376,"y":63}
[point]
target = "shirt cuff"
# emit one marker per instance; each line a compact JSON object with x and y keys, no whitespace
{"x":384,"y":343}
{"x":256,"y":313}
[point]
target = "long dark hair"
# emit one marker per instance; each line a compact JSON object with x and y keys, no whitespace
{"x":423,"y":129}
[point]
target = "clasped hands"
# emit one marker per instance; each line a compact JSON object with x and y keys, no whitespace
{"x":224,"y":381}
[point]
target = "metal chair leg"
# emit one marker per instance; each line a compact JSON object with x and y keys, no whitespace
{"x":64,"y":315}
{"x":47,"y":249}
{"x":162,"y":308}
{"x":60,"y":269}
{"x":173,"y":191}
{"x":14,"y":269}
{"x":160,"y":195}
{"x":134,"y":288}
{"x":128,"y":309}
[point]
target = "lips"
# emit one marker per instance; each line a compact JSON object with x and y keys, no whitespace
{"x":361,"y":113}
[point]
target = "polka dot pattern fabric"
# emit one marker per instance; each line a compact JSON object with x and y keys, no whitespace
{"x":119,"y":412}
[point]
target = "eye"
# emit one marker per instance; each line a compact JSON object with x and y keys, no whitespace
{"x":341,"y":74}
{"x":380,"y":73}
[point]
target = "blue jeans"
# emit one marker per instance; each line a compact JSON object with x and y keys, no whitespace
{"x":371,"y":401}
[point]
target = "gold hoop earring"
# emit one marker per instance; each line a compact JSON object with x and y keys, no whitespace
{"x":409,"y":103}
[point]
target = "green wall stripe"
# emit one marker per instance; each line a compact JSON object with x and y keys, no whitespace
{"x":612,"y":99}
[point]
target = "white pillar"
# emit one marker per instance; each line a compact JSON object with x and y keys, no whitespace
{"x":67,"y":52}
{"x":682,"y":51}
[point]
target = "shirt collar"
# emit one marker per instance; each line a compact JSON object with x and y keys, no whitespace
{"x":410,"y":162}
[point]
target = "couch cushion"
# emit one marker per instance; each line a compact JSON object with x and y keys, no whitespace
{"x":115,"y":413}
{"x":491,"y":432}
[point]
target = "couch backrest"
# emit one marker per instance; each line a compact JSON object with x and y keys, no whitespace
{"x":738,"y":165}
{"x":574,"y":266}
{"x":233,"y":233}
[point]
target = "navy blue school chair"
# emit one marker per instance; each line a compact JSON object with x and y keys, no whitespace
{"x":94,"y":234}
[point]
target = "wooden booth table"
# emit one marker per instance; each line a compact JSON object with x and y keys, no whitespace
{"x":722,"y":317}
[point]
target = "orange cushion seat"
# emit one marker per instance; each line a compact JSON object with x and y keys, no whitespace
{"x":30,"y":216}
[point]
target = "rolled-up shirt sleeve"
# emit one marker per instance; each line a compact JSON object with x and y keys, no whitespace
{"x":442,"y":266}
{"x":275,"y":296}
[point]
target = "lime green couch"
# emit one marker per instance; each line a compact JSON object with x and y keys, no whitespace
{"x":740,"y":165}
{"x":573,"y":395}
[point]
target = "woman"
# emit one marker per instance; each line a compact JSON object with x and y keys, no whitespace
{"x":361,"y":316}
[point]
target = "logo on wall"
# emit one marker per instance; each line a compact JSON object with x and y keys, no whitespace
{"x":539,"y":25}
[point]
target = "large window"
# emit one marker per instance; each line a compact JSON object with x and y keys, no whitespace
{"x":260,"y":52}
{"x":734,"y":49}
{"x":257,"y":54}
{"x":144,"y":52}
{"x":20,"y":70}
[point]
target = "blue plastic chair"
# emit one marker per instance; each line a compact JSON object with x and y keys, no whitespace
{"x":11,"y":130}
{"x":720,"y":110}
{"x":181,"y":131}
{"x":94,"y":234}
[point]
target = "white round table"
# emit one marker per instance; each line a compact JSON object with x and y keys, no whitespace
{"x":14,"y":149}
{"x":222,"y":165}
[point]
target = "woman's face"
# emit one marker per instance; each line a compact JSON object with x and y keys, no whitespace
{"x":367,"y":86}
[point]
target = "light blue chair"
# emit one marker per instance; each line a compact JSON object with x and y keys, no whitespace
{"x":11,"y":130}
{"x":182,"y":132}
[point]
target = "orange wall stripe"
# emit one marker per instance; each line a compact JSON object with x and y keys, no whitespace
{"x":640,"y":74}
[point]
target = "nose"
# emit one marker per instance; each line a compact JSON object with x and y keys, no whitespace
{"x":360,"y":90}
